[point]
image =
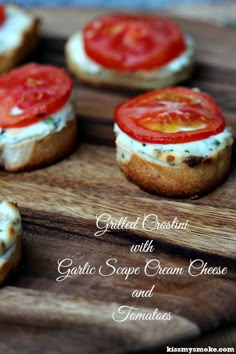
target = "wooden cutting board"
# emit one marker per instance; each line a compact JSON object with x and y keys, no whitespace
{"x":60,"y":203}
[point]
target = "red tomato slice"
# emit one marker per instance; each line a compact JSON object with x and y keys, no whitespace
{"x":170,"y":116}
{"x":132,"y":42}
{"x":36,"y":90}
{"x":2,"y":14}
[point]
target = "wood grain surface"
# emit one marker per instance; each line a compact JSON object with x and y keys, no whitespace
{"x":60,"y":203}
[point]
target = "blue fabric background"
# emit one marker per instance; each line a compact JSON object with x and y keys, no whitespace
{"x":132,"y":4}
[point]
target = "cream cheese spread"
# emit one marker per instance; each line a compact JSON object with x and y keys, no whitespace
{"x":159,"y":152}
{"x":53,"y":123}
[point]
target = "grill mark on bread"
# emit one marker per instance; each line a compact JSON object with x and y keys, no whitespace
{"x":193,"y":160}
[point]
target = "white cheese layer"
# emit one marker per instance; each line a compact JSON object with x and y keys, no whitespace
{"x":53,"y":123}
{"x":11,"y":31}
{"x":75,"y":47}
{"x":159,"y":152}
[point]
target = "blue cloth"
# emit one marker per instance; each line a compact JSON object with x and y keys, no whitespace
{"x":118,"y":4}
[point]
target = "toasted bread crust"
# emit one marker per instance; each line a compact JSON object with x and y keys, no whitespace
{"x":129,"y":80}
{"x":182,"y":181}
{"x":40,"y":152}
{"x":11,"y":58}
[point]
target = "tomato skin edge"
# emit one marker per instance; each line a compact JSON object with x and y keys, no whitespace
{"x":169,"y":52}
{"x":152,"y":137}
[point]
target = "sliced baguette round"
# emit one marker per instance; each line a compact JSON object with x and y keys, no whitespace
{"x":76,"y":60}
{"x":198,"y":177}
{"x":39,"y":152}
{"x":29,"y":40}
{"x":10,"y":239}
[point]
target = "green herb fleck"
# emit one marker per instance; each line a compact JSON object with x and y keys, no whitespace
{"x":217,"y":142}
{"x":49,"y":120}
{"x":187,"y":151}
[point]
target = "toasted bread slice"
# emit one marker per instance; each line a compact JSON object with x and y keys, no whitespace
{"x":181,"y":181}
{"x":26,"y":41}
{"x":173,"y":173}
{"x":40,"y":151}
